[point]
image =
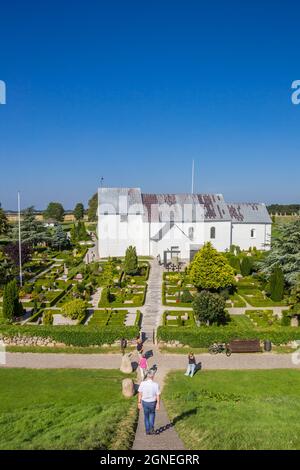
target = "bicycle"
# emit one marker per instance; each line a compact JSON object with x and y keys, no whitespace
{"x":218,"y":348}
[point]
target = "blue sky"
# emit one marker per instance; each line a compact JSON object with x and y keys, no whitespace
{"x":134,"y":91}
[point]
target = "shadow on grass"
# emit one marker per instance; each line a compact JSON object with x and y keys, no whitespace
{"x":178,"y":418}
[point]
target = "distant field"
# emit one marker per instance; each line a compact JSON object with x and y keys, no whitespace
{"x":236,"y":409}
{"x":64,"y":409}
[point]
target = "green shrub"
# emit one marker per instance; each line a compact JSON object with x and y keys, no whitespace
{"x":277,"y":284}
{"x":75,"y":309}
{"x":186,"y":297}
{"x":77,"y":335}
{"x":203,"y":337}
{"x":48,"y":317}
{"x":209,"y":307}
{"x":246,"y":266}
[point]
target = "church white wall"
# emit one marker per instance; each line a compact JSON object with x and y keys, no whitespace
{"x":241,"y":236}
{"x":115,"y":236}
{"x":222,"y":234}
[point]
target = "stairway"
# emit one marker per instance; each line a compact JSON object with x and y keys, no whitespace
{"x":152,"y":309}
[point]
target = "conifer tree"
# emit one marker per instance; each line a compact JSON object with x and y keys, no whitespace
{"x":131,"y":261}
{"x":277,"y":284}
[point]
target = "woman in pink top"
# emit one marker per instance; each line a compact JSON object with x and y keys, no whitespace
{"x":143,"y":366}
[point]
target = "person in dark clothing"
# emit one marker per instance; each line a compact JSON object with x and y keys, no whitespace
{"x":191,"y":365}
{"x":123,"y":345}
{"x":139,"y":346}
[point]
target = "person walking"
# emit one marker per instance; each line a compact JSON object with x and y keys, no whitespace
{"x":139,"y":346}
{"x":191,"y":365}
{"x":149,"y":400}
{"x":143,"y":366}
{"x":123,"y":345}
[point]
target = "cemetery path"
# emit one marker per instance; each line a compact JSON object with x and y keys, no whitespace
{"x":152,"y":309}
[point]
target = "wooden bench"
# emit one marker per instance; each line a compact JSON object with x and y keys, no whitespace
{"x":244,"y":346}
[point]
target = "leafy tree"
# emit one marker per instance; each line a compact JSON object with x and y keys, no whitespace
{"x":210,"y":307}
{"x":79,"y":211}
{"x":294,"y":299}
{"x":12,"y":307}
{"x":210,"y":270}
{"x":54,"y":211}
{"x":12,"y":251}
{"x":108,"y":273}
{"x":4,"y":226}
{"x":246,"y":266}
{"x":33,"y":231}
{"x":131,"y":261}
{"x":277,"y":284}
{"x":60,"y":239}
{"x":75,"y":309}
{"x":93,"y":207}
{"x":285,"y":252}
{"x":79,"y":233}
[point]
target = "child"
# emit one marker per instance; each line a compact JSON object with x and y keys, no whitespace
{"x":143,"y":366}
{"x":191,"y":365}
{"x":139,"y":346}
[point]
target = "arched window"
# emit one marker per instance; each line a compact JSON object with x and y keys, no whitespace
{"x":253,"y":233}
{"x":191,"y":233}
{"x":213,"y":232}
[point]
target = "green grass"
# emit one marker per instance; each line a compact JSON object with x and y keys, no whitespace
{"x":236,"y":409}
{"x":69,"y":349}
{"x":241,"y":321}
{"x":63,"y":409}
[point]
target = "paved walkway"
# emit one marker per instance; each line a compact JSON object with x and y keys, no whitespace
{"x":152,"y":309}
{"x":165,"y":362}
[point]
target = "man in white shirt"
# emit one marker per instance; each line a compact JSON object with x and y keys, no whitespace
{"x":149,"y":399}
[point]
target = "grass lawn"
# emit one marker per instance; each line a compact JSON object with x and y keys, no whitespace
{"x":236,"y":409}
{"x":64,"y":409}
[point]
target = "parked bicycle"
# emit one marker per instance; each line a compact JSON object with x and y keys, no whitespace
{"x":218,"y":348}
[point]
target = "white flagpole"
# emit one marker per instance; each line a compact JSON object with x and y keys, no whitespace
{"x":20,"y":244}
{"x":193,"y":174}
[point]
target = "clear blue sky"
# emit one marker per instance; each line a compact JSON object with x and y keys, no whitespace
{"x":133,"y":91}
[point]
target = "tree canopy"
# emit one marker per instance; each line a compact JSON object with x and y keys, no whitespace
{"x":210,"y":307}
{"x":92,"y":209}
{"x":33,"y":231}
{"x":210,"y":269}
{"x":285,"y":252}
{"x":4,"y":226}
{"x":131,"y":261}
{"x":79,"y":211}
{"x":60,"y":240}
{"x":12,"y":307}
{"x":54,"y":211}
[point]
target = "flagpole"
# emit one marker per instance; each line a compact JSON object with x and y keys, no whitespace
{"x":193,"y":172}
{"x":20,"y":244}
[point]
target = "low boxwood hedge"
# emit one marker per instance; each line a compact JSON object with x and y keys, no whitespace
{"x":202,"y":337}
{"x":78,"y":335}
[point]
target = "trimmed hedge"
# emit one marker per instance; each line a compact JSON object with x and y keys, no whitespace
{"x":78,"y":335}
{"x":203,"y":337}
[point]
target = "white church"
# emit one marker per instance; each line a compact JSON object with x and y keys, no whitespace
{"x":177,"y":225}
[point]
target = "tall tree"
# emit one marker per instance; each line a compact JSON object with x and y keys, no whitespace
{"x":285,"y":252}
{"x":131,"y":261}
{"x":12,"y":306}
{"x":54,"y":211}
{"x":92,"y":209}
{"x":60,"y":239}
{"x":210,"y":307}
{"x":4,"y":226}
{"x":79,"y":211}
{"x":33,"y":231}
{"x":277,"y":284}
{"x":246,"y":266}
{"x":12,"y":251}
{"x":210,"y":269}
